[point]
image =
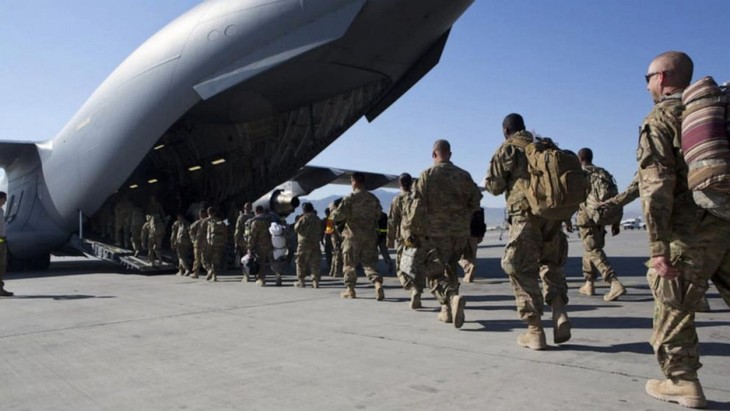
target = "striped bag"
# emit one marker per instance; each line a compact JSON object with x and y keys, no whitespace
{"x":706,"y":145}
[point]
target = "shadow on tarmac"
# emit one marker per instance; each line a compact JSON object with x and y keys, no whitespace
{"x":60,"y":297}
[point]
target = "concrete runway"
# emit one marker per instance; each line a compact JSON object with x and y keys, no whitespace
{"x":88,"y":336}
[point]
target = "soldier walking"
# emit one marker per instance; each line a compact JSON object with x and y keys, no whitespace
{"x":216,"y":237}
{"x":308,"y":256}
{"x":198,"y":243}
{"x":181,"y":244}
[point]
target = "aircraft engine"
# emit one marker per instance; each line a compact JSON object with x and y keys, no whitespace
{"x":279,"y":201}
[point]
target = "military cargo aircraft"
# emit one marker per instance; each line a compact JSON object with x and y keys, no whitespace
{"x":226,"y":102}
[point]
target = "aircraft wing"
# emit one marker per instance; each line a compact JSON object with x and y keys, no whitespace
{"x":310,"y":178}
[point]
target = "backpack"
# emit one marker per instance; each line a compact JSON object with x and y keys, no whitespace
{"x":278,"y":240}
{"x":414,"y":220}
{"x":706,"y":145}
{"x":558,"y":184}
{"x":603,"y":187}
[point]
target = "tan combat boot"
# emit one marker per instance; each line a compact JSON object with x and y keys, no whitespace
{"x":588,"y":288}
{"x":685,"y":393}
{"x":616,"y":291}
{"x":379,"y":294}
{"x":261,"y":282}
{"x":445,"y":315}
{"x":315,"y":283}
{"x":348,"y":293}
{"x":208,"y":276}
{"x":194,"y":275}
{"x":561,"y":323}
{"x":415,"y":300}
{"x":180,"y":273}
{"x":457,"y":310}
{"x":534,"y":338}
{"x":299,"y":284}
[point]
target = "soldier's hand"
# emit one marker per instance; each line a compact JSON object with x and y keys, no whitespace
{"x":615,"y":229}
{"x":664,"y":267}
{"x":569,"y":226}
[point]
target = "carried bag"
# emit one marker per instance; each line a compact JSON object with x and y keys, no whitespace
{"x":558,"y":184}
{"x":706,"y":145}
{"x":603,"y":187}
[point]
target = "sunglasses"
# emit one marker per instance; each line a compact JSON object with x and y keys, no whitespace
{"x":650,"y":75}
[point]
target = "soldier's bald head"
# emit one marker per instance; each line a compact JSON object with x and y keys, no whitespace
{"x":441,"y":150}
{"x":676,"y":66}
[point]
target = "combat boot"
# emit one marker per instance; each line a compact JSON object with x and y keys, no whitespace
{"x":415,"y":300}
{"x":616,"y":291}
{"x":208,"y":276}
{"x":194,"y":275}
{"x":214,"y":277}
{"x":348,"y":293}
{"x":379,"y":294}
{"x":588,"y":288}
{"x":261,"y":282}
{"x":683,"y":392}
{"x":315,"y":283}
{"x":246,"y":278}
{"x":534,"y":338}
{"x":561,"y":323}
{"x":457,"y":310}
{"x":469,"y":277}
{"x":299,"y":284}
{"x":278,"y":280}
{"x":703,"y":306}
{"x":180,"y":273}
{"x":5,"y":293}
{"x":445,"y":315}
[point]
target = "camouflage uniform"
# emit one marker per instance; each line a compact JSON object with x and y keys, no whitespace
{"x":360,"y":212}
{"x":180,"y":242}
{"x":593,"y":237}
{"x":241,"y":233}
{"x":309,"y":233}
{"x":216,"y":236}
{"x":260,"y":244}
{"x":136,"y":221}
{"x":198,"y":239}
{"x":153,"y":232}
{"x":537,"y":248}
{"x":336,"y":265}
{"x":696,"y":242}
{"x":395,"y":233}
{"x":449,"y":196}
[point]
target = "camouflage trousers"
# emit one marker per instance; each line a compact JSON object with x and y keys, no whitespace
{"x":154,"y":245}
{"x":199,"y":258}
{"x":438,"y":258}
{"x":537,"y":249}
{"x":356,"y":251}
{"x":468,"y":259}
{"x":183,"y":256}
{"x":700,"y":251}
{"x":215,"y":257}
{"x":308,"y":258}
{"x":594,"y":239}
{"x":410,"y":277}
{"x":336,"y":265}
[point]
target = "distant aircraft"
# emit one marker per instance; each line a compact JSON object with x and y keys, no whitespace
{"x":227,"y":101}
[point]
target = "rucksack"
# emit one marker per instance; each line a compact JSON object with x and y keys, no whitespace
{"x":706,"y":145}
{"x":557,"y":183}
{"x":603,"y":187}
{"x":414,"y":220}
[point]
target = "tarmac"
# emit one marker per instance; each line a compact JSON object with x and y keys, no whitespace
{"x":88,"y":335}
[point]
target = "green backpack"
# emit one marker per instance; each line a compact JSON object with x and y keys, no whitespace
{"x":603,"y":187}
{"x":558,"y":184}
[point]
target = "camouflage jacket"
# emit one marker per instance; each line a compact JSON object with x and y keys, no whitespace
{"x":395,"y":215}
{"x":508,"y":173}
{"x":450,"y":197}
{"x":360,"y":211}
{"x":240,"y":235}
{"x":216,"y":232}
{"x":260,"y":240}
{"x":665,"y":196}
{"x":630,"y":194}
{"x":197,"y":230}
{"x":180,"y":234}
{"x":309,"y":231}
{"x":597,"y":192}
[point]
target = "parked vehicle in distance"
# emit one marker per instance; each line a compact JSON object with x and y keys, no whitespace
{"x":633,"y":224}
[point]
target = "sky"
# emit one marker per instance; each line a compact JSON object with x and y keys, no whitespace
{"x":573,"y":69}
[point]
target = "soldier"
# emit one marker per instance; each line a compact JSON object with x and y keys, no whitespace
{"x":309,"y":231}
{"x":336,"y":266}
{"x":687,"y":244}
{"x":383,"y":240}
{"x":3,"y":246}
{"x":477,"y":229}
{"x":153,"y":231}
{"x":594,"y":235}
{"x":449,"y":197}
{"x":241,"y":234}
{"x":180,"y":242}
{"x":359,"y":211}
{"x":198,"y":243}
{"x":260,"y":245}
{"x":537,"y":247}
{"x":136,"y":221}
{"x":122,"y":210}
{"x":413,"y":283}
{"x":216,"y":237}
